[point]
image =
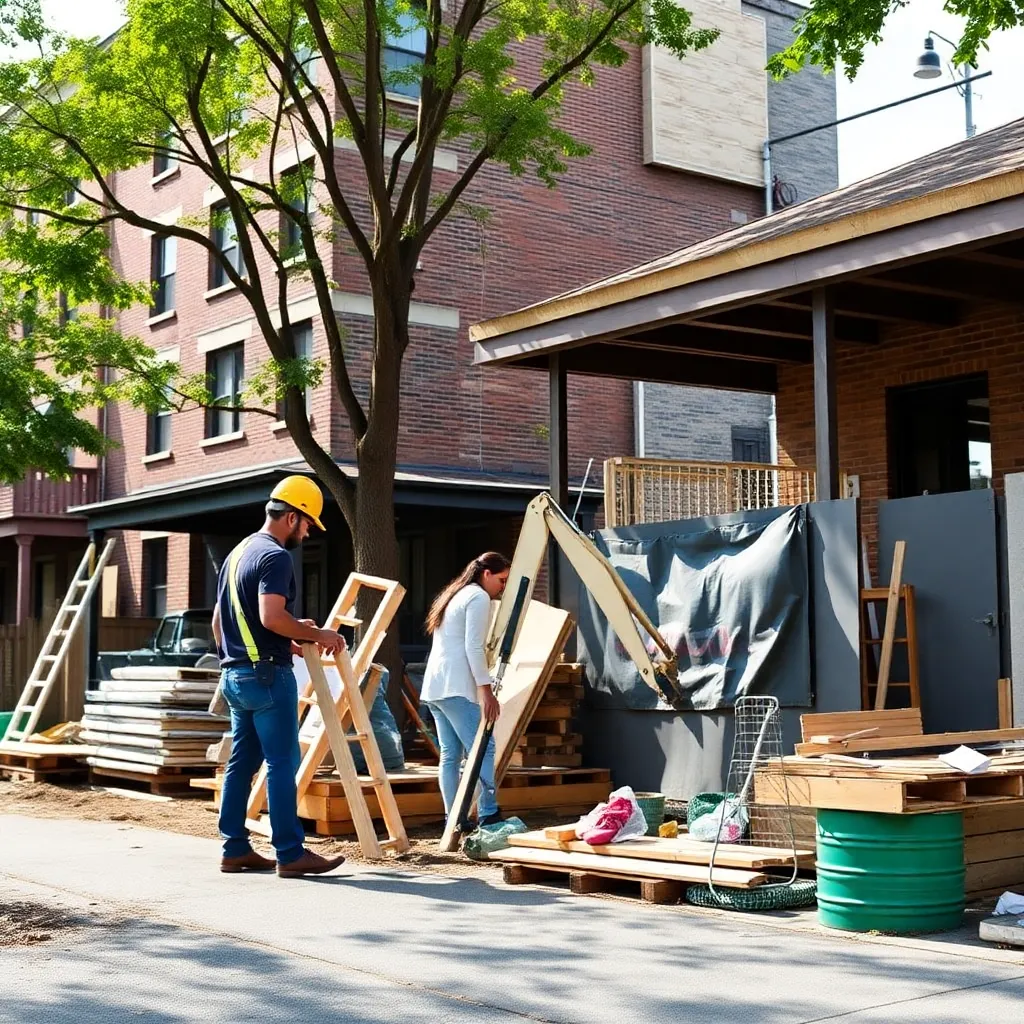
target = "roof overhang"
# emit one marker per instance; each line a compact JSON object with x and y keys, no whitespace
{"x":196,"y":505}
{"x":729,"y":318}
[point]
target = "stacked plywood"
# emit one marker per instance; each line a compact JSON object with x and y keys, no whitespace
{"x":152,"y":724}
{"x":549,"y":740}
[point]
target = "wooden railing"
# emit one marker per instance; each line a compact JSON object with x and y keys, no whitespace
{"x":39,"y":495}
{"x":661,"y":490}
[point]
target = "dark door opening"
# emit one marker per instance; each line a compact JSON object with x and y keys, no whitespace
{"x":939,"y":437}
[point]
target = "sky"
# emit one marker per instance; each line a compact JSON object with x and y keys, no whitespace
{"x":867,"y":146}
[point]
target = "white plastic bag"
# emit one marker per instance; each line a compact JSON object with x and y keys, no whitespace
{"x":1010,"y":903}
{"x":729,"y":819}
{"x":636,"y":824}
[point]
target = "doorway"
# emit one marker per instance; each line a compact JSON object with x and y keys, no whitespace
{"x":939,"y":437}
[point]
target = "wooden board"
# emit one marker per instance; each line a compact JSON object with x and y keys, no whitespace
{"x":892,"y":613}
{"x":680,"y":851}
{"x":901,"y":722}
{"x":937,"y":739}
{"x":629,"y":867}
{"x":140,"y":768}
{"x":542,"y":639}
{"x":157,"y":686}
{"x":180,"y":698}
{"x":167,"y":672}
{"x":127,"y":711}
{"x":117,"y":727}
{"x":586,"y":883}
{"x":46,"y":749}
{"x":165,"y":743}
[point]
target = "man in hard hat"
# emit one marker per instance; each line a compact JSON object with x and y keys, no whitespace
{"x":256,"y":635}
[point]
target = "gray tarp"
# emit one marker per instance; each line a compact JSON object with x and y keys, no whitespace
{"x":730,"y":593}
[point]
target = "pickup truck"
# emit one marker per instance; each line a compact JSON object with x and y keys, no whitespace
{"x":181,"y":639}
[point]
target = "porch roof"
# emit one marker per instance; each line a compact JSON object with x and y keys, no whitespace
{"x":914,"y":244}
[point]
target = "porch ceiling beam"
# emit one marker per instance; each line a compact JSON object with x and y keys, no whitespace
{"x":787,"y":322}
{"x":879,"y":304}
{"x":693,"y":340}
{"x":956,"y":278}
{"x":631,"y":363}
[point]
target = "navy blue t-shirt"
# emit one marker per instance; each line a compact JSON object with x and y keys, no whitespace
{"x":264,"y":568}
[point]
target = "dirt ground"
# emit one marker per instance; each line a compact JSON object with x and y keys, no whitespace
{"x":195,"y":816}
{"x":27,"y":923}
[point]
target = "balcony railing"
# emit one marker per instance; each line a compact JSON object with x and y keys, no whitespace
{"x":661,"y":490}
{"x":39,"y":495}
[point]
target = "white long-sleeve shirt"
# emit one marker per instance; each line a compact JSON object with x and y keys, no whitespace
{"x":457,"y":664}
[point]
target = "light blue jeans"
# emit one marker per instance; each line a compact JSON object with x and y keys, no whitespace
{"x":457,"y":720}
{"x":264,"y":727}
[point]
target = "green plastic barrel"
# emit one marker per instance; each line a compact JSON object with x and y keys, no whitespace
{"x":895,"y":873}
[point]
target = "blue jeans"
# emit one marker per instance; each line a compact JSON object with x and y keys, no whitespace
{"x":457,"y":720}
{"x":264,"y":727}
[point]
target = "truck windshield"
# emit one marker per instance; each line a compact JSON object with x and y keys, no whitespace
{"x":199,"y":629}
{"x":165,"y":634}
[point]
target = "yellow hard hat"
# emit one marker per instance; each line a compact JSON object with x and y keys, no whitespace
{"x":303,"y":495}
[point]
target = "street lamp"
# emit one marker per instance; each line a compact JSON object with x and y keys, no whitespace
{"x":929,"y":65}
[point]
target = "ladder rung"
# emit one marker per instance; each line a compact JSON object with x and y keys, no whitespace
{"x":345,"y":620}
{"x":312,"y":701}
{"x":27,"y":708}
{"x":72,"y":607}
{"x":81,"y":583}
{"x":356,"y":737}
{"x":16,"y":734}
{"x":48,"y":657}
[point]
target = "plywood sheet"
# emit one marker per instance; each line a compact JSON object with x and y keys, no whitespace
{"x":163,"y":672}
{"x":538,"y":650}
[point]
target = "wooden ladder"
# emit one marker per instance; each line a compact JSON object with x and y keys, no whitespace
{"x":55,"y":647}
{"x":315,"y":738}
{"x":869,"y":678}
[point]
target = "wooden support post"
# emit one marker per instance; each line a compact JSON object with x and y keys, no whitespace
{"x":826,"y":434}
{"x":558,"y":448}
{"x":892,"y":614}
{"x":1005,"y":691}
{"x":92,"y":656}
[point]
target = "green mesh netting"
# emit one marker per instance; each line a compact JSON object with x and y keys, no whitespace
{"x":802,"y":893}
{"x":703,"y":803}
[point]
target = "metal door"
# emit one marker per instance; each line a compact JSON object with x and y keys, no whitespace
{"x":952,"y":562}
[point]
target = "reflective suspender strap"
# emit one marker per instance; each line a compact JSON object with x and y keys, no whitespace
{"x":236,"y":604}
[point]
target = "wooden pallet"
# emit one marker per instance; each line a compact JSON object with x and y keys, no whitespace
{"x":616,"y":867}
{"x":994,"y":849}
{"x":587,"y":883}
{"x":850,"y":790}
{"x":166,"y":782}
{"x":42,"y":766}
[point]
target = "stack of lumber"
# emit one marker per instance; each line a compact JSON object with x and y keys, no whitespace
{"x":663,"y":867}
{"x":560,"y":792}
{"x":549,"y":741}
{"x":151,"y":725}
{"x":842,"y":764}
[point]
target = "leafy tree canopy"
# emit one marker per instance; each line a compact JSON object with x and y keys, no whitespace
{"x":838,"y":31}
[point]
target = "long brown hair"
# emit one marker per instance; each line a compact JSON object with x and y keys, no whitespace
{"x":490,"y":561}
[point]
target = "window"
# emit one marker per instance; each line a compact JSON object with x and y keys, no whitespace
{"x":158,"y":432}
{"x":225,"y":238}
{"x":154,"y":576}
{"x":939,"y":437}
{"x":32,"y":218}
{"x":224,"y":370}
{"x":164,"y":261}
{"x":71,"y":193}
{"x":297,"y":191}
{"x":404,"y":51}
{"x":303,"y":336}
{"x":304,"y":57}
{"x":68,"y":313}
{"x":750,"y":444}
{"x":28,"y":319}
{"x":164,"y":161}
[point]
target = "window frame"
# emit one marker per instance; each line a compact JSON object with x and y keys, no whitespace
{"x":163,"y":162}
{"x":217,"y":416}
{"x":155,"y":556}
{"x":223,"y":230}
{"x":306,"y":329}
{"x":163,"y":251}
{"x":392,"y":46}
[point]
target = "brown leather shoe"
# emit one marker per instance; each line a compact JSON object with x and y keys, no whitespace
{"x":250,"y":861}
{"x":308,"y":864}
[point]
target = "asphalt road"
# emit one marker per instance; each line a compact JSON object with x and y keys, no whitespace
{"x":158,"y":934}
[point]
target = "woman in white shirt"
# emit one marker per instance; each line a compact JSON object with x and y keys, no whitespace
{"x":457,"y":682}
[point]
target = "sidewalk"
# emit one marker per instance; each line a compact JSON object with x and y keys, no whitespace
{"x":174,"y":940}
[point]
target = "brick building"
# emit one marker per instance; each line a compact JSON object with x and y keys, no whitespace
{"x":181,"y":489}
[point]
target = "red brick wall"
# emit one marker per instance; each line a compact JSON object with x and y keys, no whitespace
{"x":610,"y":212}
{"x":991,"y":339}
